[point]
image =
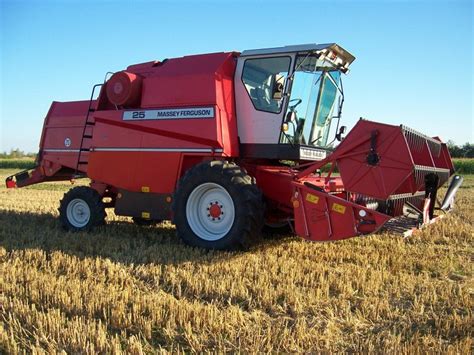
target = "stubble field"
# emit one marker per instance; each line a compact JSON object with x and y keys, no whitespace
{"x":125,"y":288}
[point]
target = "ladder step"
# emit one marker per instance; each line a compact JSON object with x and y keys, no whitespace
{"x":84,"y":134}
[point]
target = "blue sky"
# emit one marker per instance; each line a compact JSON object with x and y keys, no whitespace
{"x":414,"y":61}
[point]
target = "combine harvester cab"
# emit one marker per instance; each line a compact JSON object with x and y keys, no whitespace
{"x":223,"y":143}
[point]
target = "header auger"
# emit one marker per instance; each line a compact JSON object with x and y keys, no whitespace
{"x":225,"y":143}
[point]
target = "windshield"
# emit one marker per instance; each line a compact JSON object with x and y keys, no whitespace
{"x":316,"y":96}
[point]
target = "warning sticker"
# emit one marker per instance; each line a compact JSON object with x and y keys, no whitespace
{"x":338,"y":208}
{"x":312,"y":198}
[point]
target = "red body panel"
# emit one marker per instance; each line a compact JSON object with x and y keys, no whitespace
{"x":321,"y":216}
{"x":141,"y":153}
{"x":187,"y":81}
{"x":404,"y":157}
{"x":156,"y":171}
{"x":197,"y":80}
{"x":276,"y":183}
{"x":154,"y":149}
{"x":62,"y":133}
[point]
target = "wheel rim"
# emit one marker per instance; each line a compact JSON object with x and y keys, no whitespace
{"x":210,"y":211}
{"x":78,"y":213}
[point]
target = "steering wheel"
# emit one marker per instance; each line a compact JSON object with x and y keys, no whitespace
{"x":292,"y":107}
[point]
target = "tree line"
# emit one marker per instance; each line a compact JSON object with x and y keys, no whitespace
{"x":458,"y":151}
{"x":16,"y":154}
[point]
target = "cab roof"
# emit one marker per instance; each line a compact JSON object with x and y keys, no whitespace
{"x":327,"y":49}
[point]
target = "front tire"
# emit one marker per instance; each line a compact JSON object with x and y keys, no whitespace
{"x":81,"y":209}
{"x":217,"y":206}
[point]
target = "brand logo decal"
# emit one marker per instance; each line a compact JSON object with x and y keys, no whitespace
{"x":167,"y":114}
{"x":67,"y":142}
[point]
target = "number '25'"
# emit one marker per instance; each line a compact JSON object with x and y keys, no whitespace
{"x":138,"y":114}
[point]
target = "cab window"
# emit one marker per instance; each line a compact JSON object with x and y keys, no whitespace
{"x":264,"y":80}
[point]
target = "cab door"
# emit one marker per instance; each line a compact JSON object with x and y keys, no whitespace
{"x":260,"y":86}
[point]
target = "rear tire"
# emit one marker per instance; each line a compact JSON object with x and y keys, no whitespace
{"x":81,"y":209}
{"x":217,"y":206}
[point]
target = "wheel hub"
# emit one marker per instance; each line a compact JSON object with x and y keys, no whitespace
{"x":78,"y":213}
{"x":215,"y":211}
{"x":210,"y":211}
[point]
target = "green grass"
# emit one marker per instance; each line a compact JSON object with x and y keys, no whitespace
{"x":464,"y":165}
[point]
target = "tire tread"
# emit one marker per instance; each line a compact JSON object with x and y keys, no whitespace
{"x":93,"y":199}
{"x":245,"y":185}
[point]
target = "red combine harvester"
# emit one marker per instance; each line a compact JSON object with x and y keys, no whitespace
{"x":225,"y":143}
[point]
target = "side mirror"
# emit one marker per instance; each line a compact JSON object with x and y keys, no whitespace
{"x":342,"y":131}
{"x":290,"y":116}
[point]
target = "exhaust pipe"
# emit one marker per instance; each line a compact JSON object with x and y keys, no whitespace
{"x":452,"y":189}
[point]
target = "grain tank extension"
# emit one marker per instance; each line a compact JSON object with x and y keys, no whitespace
{"x":224,"y":144}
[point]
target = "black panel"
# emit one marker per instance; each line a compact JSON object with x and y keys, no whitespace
{"x":282,"y":152}
{"x":133,"y":204}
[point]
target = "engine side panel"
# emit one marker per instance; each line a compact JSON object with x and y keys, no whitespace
{"x":147,"y":153}
{"x":187,"y":110}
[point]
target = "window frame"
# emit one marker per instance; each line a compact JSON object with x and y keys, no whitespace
{"x":284,"y":88}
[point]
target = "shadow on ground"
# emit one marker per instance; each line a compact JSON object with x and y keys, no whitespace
{"x":119,"y":241}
